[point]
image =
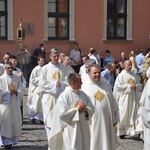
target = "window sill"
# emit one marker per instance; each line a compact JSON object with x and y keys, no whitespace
{"x":117,"y":40}
{"x":13,"y":40}
{"x":59,"y":41}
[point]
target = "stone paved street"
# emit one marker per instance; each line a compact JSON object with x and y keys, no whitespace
{"x":131,"y":144}
{"x":34,"y":137}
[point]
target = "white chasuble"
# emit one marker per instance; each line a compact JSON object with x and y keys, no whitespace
{"x":34,"y":99}
{"x":48,"y":89}
{"x":11,"y":124}
{"x":70,"y":129}
{"x":128,"y":102}
{"x":143,"y":126}
{"x":105,"y":115}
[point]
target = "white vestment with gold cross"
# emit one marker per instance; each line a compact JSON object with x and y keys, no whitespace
{"x":48,"y":89}
{"x":70,"y":128}
{"x":10,"y":114}
{"x":127,"y":99}
{"x":105,"y":116}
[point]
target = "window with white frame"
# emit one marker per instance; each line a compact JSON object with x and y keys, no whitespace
{"x":58,"y":19}
{"x":116,"y":19}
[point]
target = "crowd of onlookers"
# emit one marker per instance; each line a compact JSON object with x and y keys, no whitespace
{"x":57,"y":91}
{"x":26,"y":61}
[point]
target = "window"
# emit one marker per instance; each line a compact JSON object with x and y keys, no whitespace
{"x":3,"y":19}
{"x":58,"y":19}
{"x":116,"y":19}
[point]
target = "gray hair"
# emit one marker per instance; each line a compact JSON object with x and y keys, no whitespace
{"x":53,"y":50}
{"x":110,"y":65}
{"x":90,"y":62}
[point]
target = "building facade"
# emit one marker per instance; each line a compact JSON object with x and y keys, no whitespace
{"x":116,"y":25}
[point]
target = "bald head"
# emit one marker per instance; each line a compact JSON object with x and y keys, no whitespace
{"x":122,"y":54}
{"x":127,"y":61}
{"x":127,"y":65}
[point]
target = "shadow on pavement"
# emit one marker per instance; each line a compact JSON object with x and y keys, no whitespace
{"x":25,"y":147}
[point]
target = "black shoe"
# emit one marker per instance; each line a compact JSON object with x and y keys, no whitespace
{"x":33,"y":121}
{"x":122,"y":136}
{"x":41,"y":122}
{"x":7,"y":146}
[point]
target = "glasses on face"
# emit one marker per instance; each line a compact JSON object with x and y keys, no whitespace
{"x":55,"y":56}
{"x":10,"y":68}
{"x":6,"y":58}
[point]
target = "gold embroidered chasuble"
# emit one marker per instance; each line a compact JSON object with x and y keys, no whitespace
{"x":11,"y":124}
{"x":70,"y":128}
{"x":50,"y":74}
{"x":105,"y":114}
{"x":127,"y":99}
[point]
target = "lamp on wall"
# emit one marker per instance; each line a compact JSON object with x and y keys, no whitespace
{"x":20,"y":32}
{"x":20,"y":38}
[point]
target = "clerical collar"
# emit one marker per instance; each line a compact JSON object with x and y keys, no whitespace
{"x":96,"y":83}
{"x":10,"y":76}
{"x":39,"y":67}
{"x":127,"y":71}
{"x":57,"y":65}
{"x":73,"y":90}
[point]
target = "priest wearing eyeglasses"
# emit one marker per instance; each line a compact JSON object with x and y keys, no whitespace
{"x":11,"y":92}
{"x":53,"y":80}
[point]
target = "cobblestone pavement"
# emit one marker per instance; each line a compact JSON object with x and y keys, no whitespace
{"x":34,"y":137}
{"x":133,"y":143}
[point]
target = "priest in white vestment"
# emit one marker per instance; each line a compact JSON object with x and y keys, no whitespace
{"x":67,"y":63}
{"x":105,"y":116}
{"x":126,"y":92}
{"x":72,"y":116}
{"x":11,"y":92}
{"x":88,"y":62}
{"x":34,"y":100}
{"x":82,"y":70}
{"x":143,"y":126}
{"x":53,"y":80}
{"x":18,"y":72}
